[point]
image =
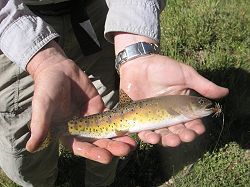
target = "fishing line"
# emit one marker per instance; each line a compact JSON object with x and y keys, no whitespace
{"x":218,"y":112}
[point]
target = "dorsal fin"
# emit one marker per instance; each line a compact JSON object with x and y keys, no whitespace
{"x":124,"y":98}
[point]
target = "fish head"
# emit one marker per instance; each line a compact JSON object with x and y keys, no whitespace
{"x":200,"y":107}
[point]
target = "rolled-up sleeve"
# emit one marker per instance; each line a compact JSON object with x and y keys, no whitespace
{"x":134,"y":16}
{"x":22,"y":34}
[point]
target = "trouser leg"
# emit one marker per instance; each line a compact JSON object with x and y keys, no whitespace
{"x":26,"y":169}
{"x":97,"y":174}
{"x":16,"y":103}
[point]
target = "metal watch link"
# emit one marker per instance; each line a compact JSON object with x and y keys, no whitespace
{"x":134,"y":51}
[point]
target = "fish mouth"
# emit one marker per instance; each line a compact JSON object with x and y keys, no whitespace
{"x":215,"y":108}
{"x":210,"y":106}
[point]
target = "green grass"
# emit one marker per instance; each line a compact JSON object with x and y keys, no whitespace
{"x":214,"y":37}
{"x":227,"y":167}
{"x":207,"y":34}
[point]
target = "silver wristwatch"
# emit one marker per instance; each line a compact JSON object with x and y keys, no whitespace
{"x":134,"y":51}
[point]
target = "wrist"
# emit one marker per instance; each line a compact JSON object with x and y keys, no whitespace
{"x":49,"y":54}
{"x":123,"y":40}
{"x":133,"y":47}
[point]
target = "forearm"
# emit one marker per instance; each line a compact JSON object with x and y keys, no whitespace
{"x":140,"y":17}
{"x":22,"y":34}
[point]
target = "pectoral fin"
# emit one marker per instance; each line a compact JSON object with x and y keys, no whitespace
{"x":121,"y":132}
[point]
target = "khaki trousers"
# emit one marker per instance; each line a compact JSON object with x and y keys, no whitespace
{"x":16,"y":90}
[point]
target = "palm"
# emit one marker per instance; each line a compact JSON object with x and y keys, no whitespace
{"x":159,"y":75}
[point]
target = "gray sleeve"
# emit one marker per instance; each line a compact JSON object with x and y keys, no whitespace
{"x":134,"y":16}
{"x":22,"y":34}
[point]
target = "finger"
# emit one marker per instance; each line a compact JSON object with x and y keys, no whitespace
{"x":40,"y":119}
{"x":87,"y":150}
{"x":168,"y":139}
{"x":196,"y":125}
{"x":128,"y":140}
{"x":206,"y":87}
{"x":116,"y":148}
{"x":185,"y":134}
{"x":149,"y":137}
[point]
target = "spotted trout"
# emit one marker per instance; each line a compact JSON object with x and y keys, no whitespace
{"x":146,"y":114}
{"x":136,"y":116}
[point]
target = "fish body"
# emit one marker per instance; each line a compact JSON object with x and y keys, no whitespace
{"x":136,"y":116}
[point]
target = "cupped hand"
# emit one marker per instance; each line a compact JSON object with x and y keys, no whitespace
{"x":62,"y":90}
{"x":156,"y":75}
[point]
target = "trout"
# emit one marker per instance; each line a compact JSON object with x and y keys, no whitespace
{"x":147,"y":114}
{"x":136,"y":116}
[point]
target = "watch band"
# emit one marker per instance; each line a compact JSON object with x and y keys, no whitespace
{"x":134,"y":51}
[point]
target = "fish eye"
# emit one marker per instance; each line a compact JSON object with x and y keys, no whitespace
{"x":201,"y":101}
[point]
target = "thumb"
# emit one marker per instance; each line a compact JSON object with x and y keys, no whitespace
{"x":40,"y":120}
{"x":206,"y":87}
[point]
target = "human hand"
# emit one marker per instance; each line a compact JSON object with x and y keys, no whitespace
{"x":156,"y":75}
{"x":62,"y":90}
